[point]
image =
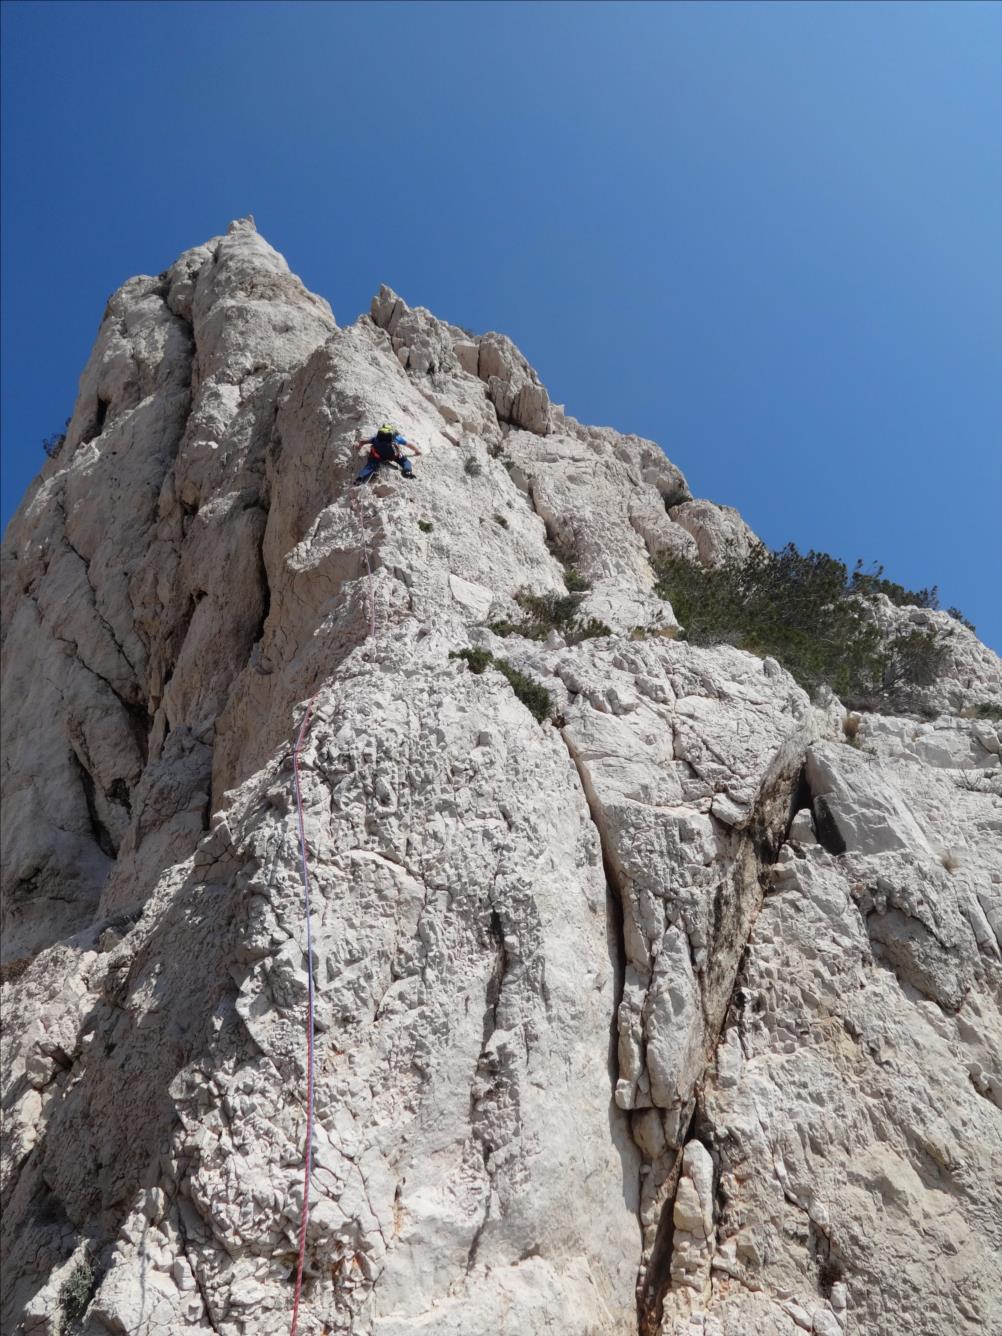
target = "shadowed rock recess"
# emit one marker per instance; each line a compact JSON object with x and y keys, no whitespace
{"x":674,"y":1012}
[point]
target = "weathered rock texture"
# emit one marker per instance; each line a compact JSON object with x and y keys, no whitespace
{"x":678,"y":1011}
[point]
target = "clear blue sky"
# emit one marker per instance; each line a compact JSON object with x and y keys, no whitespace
{"x":769,"y":236}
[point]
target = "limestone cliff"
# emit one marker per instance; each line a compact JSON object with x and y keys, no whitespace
{"x":676,"y":1009}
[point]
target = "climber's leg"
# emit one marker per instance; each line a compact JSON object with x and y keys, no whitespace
{"x":406,"y":467}
{"x":370,"y":467}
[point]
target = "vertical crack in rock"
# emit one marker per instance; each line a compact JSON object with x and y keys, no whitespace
{"x":654,"y":1277}
{"x":193,"y":1267}
{"x":100,"y":832}
{"x":828,"y":833}
{"x":496,"y":978}
{"x":95,"y":426}
{"x":487,"y":1092}
{"x":615,"y":902}
{"x":760,"y":848}
{"x":733,"y":922}
{"x":616,"y":908}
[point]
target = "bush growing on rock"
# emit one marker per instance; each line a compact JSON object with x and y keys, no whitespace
{"x":958,"y":616}
{"x":809,"y":612}
{"x":77,"y":1290}
{"x":536,"y":699}
{"x":54,"y":443}
{"x":913,"y":660}
{"x":575,"y":581}
{"x":552,"y":612}
{"x":986,"y":709}
{"x":873,"y":582}
{"x":477,"y":660}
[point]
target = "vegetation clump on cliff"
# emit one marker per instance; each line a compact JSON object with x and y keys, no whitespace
{"x":812,"y":614}
{"x":536,"y":699}
{"x":553,"y":612}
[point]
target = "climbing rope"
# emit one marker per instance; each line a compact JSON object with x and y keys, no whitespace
{"x":304,"y":863}
{"x":308,"y":1156}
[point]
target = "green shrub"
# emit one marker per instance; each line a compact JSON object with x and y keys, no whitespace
{"x":552,"y":612}
{"x":54,"y":443}
{"x":590,"y":629}
{"x":987,"y":709}
{"x":565,"y":548}
{"x":506,"y":628}
{"x":473,"y":467}
{"x":807,"y":611}
{"x":500,"y":519}
{"x":77,"y":1290}
{"x":536,"y":699}
{"x":873,"y":582}
{"x":915,"y":659}
{"x":549,"y":610}
{"x":425,"y":526}
{"x":476,"y":659}
{"x":958,"y":616}
{"x":575,"y":581}
{"x":654,"y":632}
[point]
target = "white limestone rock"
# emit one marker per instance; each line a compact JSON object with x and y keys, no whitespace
{"x":719,"y":532}
{"x":855,"y":806}
{"x":804,"y":1066}
{"x":969,"y":678}
{"x":692,"y":1217}
{"x":857,"y":1152}
{"x":428,"y":347}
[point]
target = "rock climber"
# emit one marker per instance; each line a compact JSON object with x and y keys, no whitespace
{"x":385,"y":448}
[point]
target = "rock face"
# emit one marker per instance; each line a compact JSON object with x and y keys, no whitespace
{"x":675,"y":1009}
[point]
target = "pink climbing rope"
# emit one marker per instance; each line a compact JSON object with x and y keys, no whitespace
{"x":304,"y":861}
{"x":308,"y":1156}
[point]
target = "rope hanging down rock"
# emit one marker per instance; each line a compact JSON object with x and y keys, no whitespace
{"x":308,"y":1154}
{"x":304,"y":863}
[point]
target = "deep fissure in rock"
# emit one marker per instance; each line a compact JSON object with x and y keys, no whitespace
{"x":655,"y":1281}
{"x":96,"y":425}
{"x":826,"y":829}
{"x":100,"y":832}
{"x":734,"y":916}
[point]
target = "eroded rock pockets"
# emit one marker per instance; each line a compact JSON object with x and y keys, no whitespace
{"x":834,"y":1176}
